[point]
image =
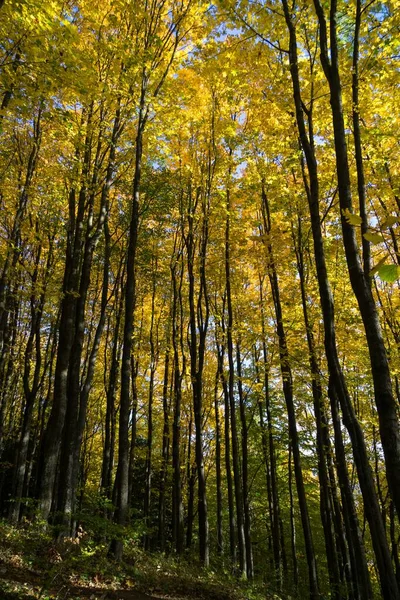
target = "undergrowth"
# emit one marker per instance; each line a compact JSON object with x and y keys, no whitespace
{"x":34,"y":565}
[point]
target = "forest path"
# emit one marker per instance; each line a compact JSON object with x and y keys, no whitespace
{"x":110,"y":594}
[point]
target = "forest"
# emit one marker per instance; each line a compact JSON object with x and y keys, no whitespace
{"x":199,"y":296}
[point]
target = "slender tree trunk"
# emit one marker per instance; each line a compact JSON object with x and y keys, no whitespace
{"x":269,"y":454}
{"x":177,"y":325}
{"x":325,"y":505}
{"x":198,"y":325}
{"x":149,"y":453}
{"x":292,"y":523}
{"x":109,"y":440}
{"x":337,"y":378}
{"x":231,"y":394}
{"x":13,"y":250}
{"x":245,"y":467}
{"x":133,"y":428}
{"x":33,"y":348}
{"x":287,"y":385}
{"x":122,"y":479}
{"x":359,"y":567}
{"x":220,"y":545}
{"x":366,"y":250}
{"x":385,"y":402}
{"x":9,"y":301}
{"x":227,"y":453}
{"x":191,"y":481}
{"x":165,"y":449}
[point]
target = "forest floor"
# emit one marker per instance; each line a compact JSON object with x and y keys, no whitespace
{"x":34,"y":566}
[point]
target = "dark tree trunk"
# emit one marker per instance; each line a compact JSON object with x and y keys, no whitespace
{"x":178,"y":371}
{"x":165,"y":450}
{"x":78,"y":392}
{"x":133,"y":428}
{"x":287,"y":385}
{"x":71,"y":285}
{"x":366,"y":250}
{"x":191,"y":481}
{"x":385,"y":401}
{"x":13,"y":250}
{"x":292,"y":523}
{"x":319,"y":409}
{"x":269,"y":454}
{"x":337,"y":378}
{"x":122,"y":477}
{"x":198,"y":325}
{"x":220,"y":545}
{"x":358,"y":561}
{"x":245,"y":467}
{"x":109,"y":438}
{"x":227,"y":453}
{"x":149,"y":453}
{"x":231,"y":395}
{"x":31,"y":388}
{"x":394,"y":542}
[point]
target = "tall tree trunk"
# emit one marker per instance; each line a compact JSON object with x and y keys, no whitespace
{"x":55,"y":425}
{"x":287,"y":385}
{"x":231,"y":395}
{"x":359,"y":567}
{"x":78,"y":391}
{"x":31,"y":388}
{"x":385,"y":401}
{"x":319,"y":409}
{"x":191,"y":482}
{"x":269,"y":453}
{"x":245,"y":466}
{"x":327,"y":306}
{"x":227,"y":453}
{"x":198,"y":325}
{"x":111,"y":385}
{"x":292,"y":523}
{"x":165,"y":448}
{"x":133,"y":428}
{"x":122,"y":478}
{"x":13,"y":250}
{"x":366,"y":250}
{"x":178,"y":371}
{"x":149,"y":453}
{"x":220,"y":545}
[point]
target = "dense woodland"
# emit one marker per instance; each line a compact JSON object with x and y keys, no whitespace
{"x":199,"y":297}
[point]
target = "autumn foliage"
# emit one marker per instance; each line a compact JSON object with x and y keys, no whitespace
{"x":199,"y":297}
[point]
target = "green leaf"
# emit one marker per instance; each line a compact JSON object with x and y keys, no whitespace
{"x":389,"y":222}
{"x":374,"y":238}
{"x":352,"y":218}
{"x":389,"y":273}
{"x":378,"y":265}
